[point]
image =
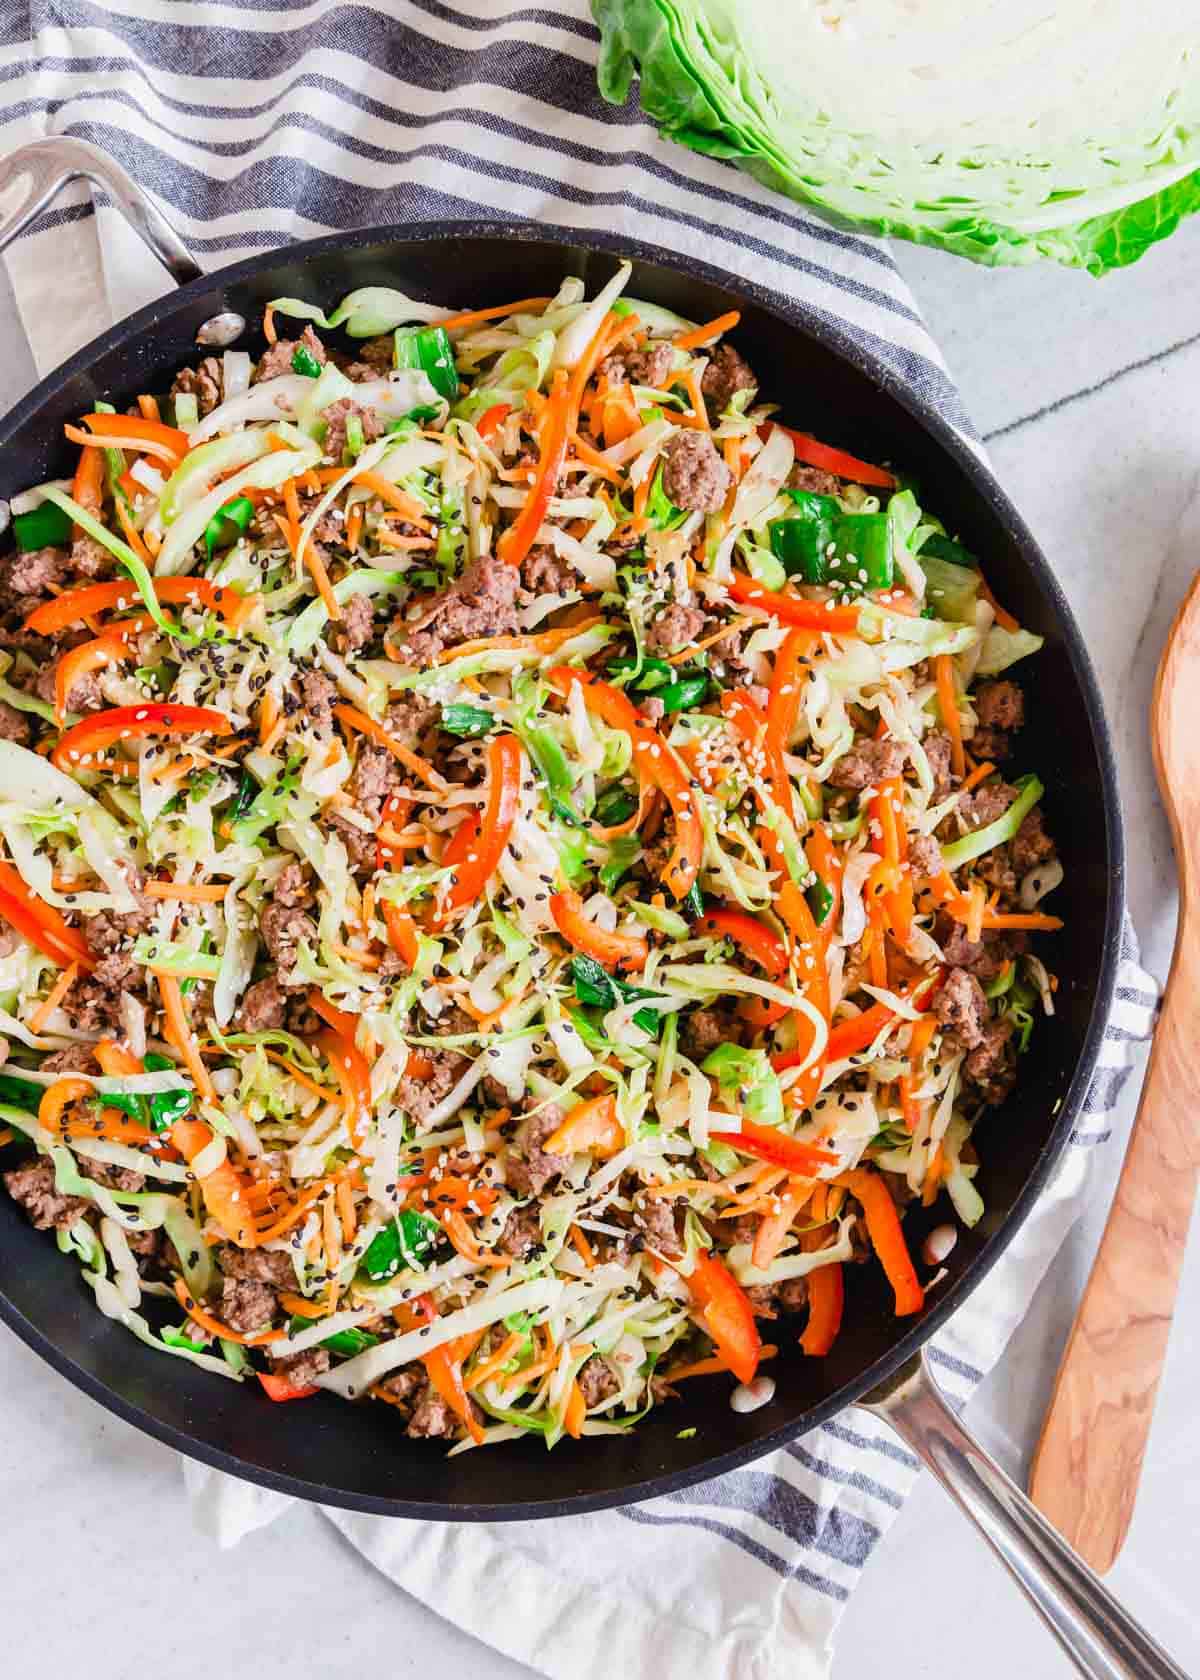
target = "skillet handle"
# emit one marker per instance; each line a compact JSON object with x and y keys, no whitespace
{"x":48,"y":165}
{"x":1100,"y":1637}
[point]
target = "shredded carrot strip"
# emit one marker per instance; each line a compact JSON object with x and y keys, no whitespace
{"x":6,"y":1135}
{"x":465,"y":1241}
{"x":300,"y":1306}
{"x":711,"y":329}
{"x":206,"y":1321}
{"x":331,"y":1231}
{"x":352,"y":718}
{"x":322,"y":1091}
{"x":189,"y":892}
{"x":592,"y":458}
{"x":180,"y":1033}
{"x":118,"y":439}
{"x":1034,"y":922}
{"x":699,"y":413}
{"x":539,"y":1368}
{"x":943,"y":667}
{"x":363,"y":959}
{"x":1005,"y":620}
{"x":545,"y":641}
{"x":494,"y":1362}
{"x":979,"y":774}
{"x":455,"y":323}
{"x":53,"y":998}
{"x":269,"y":332}
{"x":582,"y":1247}
{"x":268,"y":716}
{"x":413,"y":511}
{"x":294,"y":1214}
{"x":976,"y":905}
{"x":148,"y":408}
{"x":311,"y":560}
{"x":354,"y":521}
{"x":712,"y":1366}
{"x":575,"y":1411}
{"x":934,"y":1173}
{"x":391,"y":539}
{"x":132,"y":535}
{"x":345,"y":1207}
{"x":693,"y":648}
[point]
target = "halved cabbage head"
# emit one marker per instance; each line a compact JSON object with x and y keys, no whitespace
{"x":1001,"y":130}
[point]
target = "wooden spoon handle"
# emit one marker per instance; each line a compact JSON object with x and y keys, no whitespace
{"x":1089,"y":1460}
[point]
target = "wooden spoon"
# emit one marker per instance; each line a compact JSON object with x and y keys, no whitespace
{"x":1089,"y":1460}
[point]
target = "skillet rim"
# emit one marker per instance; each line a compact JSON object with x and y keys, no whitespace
{"x":795,"y":316}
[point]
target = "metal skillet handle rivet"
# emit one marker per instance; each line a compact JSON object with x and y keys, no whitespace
{"x":221,"y":330}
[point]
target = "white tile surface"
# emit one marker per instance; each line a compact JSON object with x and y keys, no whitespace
{"x":1108,"y":480}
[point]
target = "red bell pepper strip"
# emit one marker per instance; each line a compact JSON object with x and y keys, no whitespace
{"x":783,"y":706}
{"x":148,"y":431}
{"x":88,"y":488}
{"x":40,"y":923}
{"x":827,"y":864}
{"x":626,"y":951}
{"x":339,"y":1019}
{"x":768,"y":1143}
{"x":814,"y":454}
{"x":754,"y":937}
{"x":462,"y":840}
{"x":826,"y":1298}
{"x":354,"y":1077}
{"x":553,"y":436}
{"x":887,"y":1238}
{"x":488,"y":424}
{"x":444,"y":1366}
{"x":396,"y":812}
{"x":82,"y":747}
{"x":656,"y":764}
{"x":77,"y":604}
{"x":726,"y":1314}
{"x":476,"y":869}
{"x":761,"y":943}
{"x":279,"y":1388}
{"x":574,"y":1412}
{"x":794,"y":609}
{"x":402,"y":934}
{"x":848,"y":1037}
{"x":110,"y":649}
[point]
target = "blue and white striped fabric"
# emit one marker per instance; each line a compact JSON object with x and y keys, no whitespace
{"x":257,"y":122}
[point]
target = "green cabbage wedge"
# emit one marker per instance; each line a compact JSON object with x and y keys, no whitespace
{"x":1003,"y":132}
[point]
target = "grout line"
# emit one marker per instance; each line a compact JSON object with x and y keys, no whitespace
{"x":1090,"y":390}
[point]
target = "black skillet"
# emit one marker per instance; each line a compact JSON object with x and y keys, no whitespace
{"x":326,"y":1450}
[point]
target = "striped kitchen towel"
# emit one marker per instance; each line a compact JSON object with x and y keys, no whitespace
{"x":257,"y":122}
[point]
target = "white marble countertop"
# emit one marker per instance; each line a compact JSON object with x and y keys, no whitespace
{"x":1086,"y":392}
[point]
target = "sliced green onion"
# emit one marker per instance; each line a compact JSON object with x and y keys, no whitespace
{"x":468,"y":721}
{"x":303,"y":361}
{"x":226,"y":526}
{"x":428,"y":350}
